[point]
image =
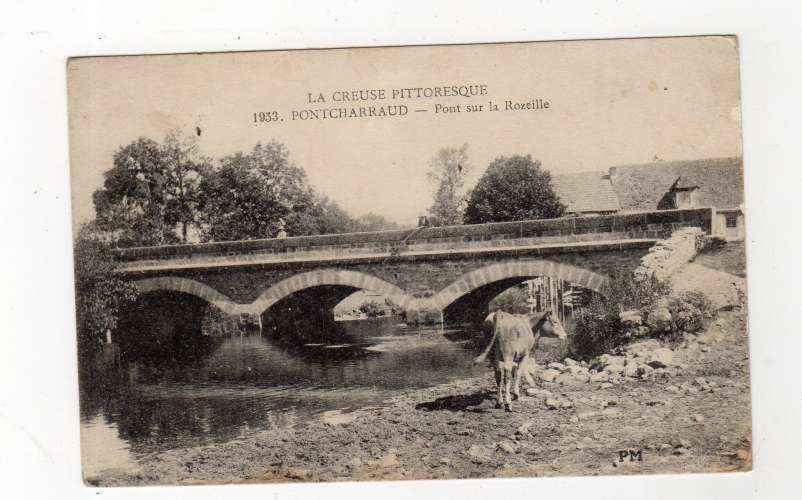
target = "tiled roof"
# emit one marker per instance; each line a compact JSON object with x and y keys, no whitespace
{"x":644,"y":187}
{"x":586,"y":192}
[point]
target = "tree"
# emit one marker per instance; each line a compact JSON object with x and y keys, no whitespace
{"x":511,"y":189}
{"x":324,"y":216}
{"x":99,"y":294}
{"x":447,"y":171}
{"x":255,"y":195}
{"x":187,"y":168}
{"x":150,"y":191}
{"x":373,"y":222}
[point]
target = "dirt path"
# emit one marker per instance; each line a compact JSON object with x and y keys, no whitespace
{"x":697,"y":420}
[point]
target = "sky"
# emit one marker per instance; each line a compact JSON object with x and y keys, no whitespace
{"x":611,"y":102}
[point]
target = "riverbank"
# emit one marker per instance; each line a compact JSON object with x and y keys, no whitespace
{"x":695,"y":420}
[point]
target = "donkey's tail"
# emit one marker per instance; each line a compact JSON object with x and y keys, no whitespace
{"x":486,"y":352}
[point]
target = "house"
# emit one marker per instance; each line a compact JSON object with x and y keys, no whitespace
{"x":586,"y":193}
{"x":715,"y":182}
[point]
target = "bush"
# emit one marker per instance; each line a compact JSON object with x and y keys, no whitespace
{"x":598,"y":326}
{"x":392,"y":307}
{"x":512,"y":300}
{"x":371,"y":309}
{"x":100,"y":294}
{"x":690,"y":311}
{"x":597,"y":330}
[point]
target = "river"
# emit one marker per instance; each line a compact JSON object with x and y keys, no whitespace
{"x":247,"y":384}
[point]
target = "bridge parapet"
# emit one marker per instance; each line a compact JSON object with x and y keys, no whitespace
{"x":579,"y":232}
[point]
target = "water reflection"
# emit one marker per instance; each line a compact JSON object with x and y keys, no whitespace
{"x":252,"y":383}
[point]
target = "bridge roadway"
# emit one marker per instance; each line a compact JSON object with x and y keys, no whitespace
{"x":428,"y":272}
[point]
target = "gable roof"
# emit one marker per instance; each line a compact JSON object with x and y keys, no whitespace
{"x":586,"y":192}
{"x":643,"y":187}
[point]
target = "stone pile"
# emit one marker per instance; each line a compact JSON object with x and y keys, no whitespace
{"x":668,"y":255}
{"x":643,"y":359}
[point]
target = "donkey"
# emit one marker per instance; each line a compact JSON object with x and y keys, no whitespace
{"x":514,"y":338}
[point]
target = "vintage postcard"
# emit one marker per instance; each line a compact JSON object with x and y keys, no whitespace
{"x":424,"y":262}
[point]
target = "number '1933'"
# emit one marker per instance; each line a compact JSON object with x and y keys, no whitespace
{"x":266,"y":117}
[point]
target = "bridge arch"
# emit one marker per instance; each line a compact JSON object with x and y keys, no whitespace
{"x":191,"y":287}
{"x":328,"y":277}
{"x":506,"y":271}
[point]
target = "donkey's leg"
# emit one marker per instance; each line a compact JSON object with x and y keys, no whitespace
{"x":507,"y":383}
{"x":516,"y":385}
{"x":500,"y":384}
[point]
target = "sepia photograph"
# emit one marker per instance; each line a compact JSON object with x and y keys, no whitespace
{"x":411,"y":262}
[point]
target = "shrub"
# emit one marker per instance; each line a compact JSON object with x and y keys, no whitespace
{"x":215,"y":323}
{"x":690,"y":311}
{"x":392,"y":307}
{"x":598,"y":326}
{"x":597,"y":330}
{"x":371,"y":309}
{"x":513,"y":300}
{"x":100,"y":294}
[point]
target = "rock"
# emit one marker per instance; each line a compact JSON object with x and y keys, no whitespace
{"x":556,"y":366}
{"x":389,"y":461}
{"x":665,"y":449}
{"x":631,"y":318}
{"x":673,"y":389}
{"x":607,"y":360}
{"x":578,"y":369}
{"x":548,"y":375}
{"x":680,"y":443}
{"x":479,"y":454}
{"x":631,"y":370}
{"x":507,"y":447}
{"x":698,"y":418}
{"x":523,"y":429}
{"x":600,"y":377}
{"x":570,"y":362}
{"x":536,"y":391}
{"x":659,"y":319}
{"x":568,"y":378}
{"x":574,"y":419}
{"x":297,"y":473}
{"x":645,"y":371}
{"x":659,"y":358}
{"x":355,"y":463}
{"x":640,"y":348}
{"x":554,"y":403}
{"x":606,"y":385}
{"x":611,"y":412}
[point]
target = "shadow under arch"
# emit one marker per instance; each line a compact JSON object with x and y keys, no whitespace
{"x":475,"y":289}
{"x":348,"y":281}
{"x":191,"y":287}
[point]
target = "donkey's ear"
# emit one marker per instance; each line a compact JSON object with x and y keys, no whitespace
{"x":536,"y":318}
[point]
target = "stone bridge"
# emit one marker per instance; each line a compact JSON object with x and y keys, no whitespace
{"x":432,"y":273}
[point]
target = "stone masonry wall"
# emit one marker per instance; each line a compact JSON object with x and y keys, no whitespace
{"x":668,"y":255}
